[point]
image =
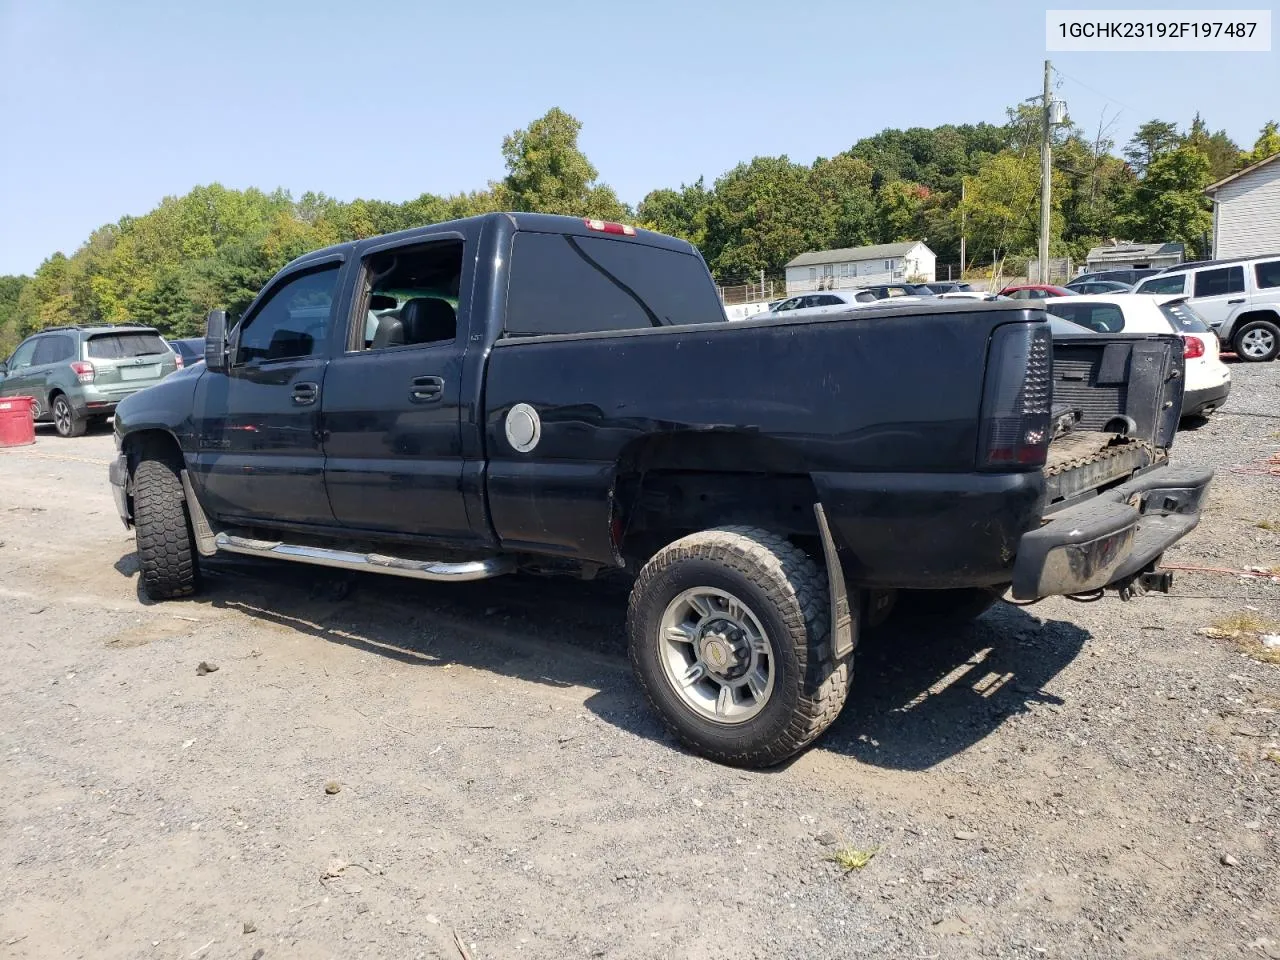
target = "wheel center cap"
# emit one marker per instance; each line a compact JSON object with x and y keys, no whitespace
{"x":723,"y":650}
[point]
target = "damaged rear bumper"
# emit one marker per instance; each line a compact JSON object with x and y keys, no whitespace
{"x":1111,"y":538}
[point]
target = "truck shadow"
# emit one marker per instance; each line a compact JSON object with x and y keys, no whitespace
{"x":920,"y":694}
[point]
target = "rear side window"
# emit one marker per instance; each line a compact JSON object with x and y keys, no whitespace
{"x":55,"y":348}
{"x":1171,"y":284}
{"x":1215,"y":283}
{"x":568,"y":284}
{"x":121,"y":346}
{"x":1099,"y":317}
{"x":1183,"y":318}
{"x":1267,"y":274}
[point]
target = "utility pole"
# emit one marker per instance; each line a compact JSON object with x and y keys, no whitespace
{"x":962,"y":259}
{"x":1046,"y":174}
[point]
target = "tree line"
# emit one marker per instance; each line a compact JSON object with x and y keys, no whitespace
{"x":215,"y":247}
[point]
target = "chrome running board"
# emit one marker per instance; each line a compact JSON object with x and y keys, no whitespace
{"x":368,"y":562}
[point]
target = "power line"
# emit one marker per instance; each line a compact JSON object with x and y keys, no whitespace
{"x":1118,"y":103}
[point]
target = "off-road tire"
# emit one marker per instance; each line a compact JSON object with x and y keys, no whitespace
{"x":945,"y":606}
{"x":65,"y":422}
{"x":788,"y":593}
{"x":1267,"y":325}
{"x":166,"y":548}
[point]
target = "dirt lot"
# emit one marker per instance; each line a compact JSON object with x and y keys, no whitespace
{"x":1064,"y":780}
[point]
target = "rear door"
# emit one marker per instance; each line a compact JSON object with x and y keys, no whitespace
{"x":393,"y":398}
{"x":126,"y":361}
{"x":258,"y":443}
{"x":1218,"y":292}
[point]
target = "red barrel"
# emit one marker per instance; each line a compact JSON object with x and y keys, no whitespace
{"x":17,"y":421}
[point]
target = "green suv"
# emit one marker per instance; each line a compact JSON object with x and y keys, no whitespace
{"x":77,"y":375}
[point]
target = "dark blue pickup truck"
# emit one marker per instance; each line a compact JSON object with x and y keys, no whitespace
{"x":520,"y":392}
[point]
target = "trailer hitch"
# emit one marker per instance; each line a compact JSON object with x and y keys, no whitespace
{"x":1150,"y":580}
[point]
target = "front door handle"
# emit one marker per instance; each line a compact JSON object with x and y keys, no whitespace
{"x":426,"y":389}
{"x":305,"y":393}
{"x":1241,"y":300}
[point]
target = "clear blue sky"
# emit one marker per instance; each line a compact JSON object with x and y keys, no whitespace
{"x":108,"y":107}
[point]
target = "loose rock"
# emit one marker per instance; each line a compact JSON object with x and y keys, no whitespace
{"x":250,"y":927}
{"x":1227,"y":860}
{"x":205,"y":667}
{"x":332,"y":787}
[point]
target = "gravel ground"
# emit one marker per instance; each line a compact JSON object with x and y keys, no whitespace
{"x":1063,"y":780}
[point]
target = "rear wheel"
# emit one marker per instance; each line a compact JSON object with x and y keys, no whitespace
{"x":729,"y":637}
{"x":166,"y":553}
{"x":1257,"y":341}
{"x":65,"y":420}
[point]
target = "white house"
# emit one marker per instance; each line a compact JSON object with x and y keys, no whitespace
{"x":1246,"y":211}
{"x":861,"y":266}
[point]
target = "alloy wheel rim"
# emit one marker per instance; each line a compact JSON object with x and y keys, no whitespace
{"x":716,"y":655}
{"x":62,"y":416}
{"x":1257,"y":343}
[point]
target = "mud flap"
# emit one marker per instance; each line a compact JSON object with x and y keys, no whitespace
{"x":844,"y":619}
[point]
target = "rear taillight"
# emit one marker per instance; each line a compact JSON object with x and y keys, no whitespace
{"x":1016,"y":398}
{"x":84,"y":371}
{"x":1194,"y":347}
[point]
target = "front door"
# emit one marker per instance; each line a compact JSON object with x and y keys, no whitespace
{"x":258,"y":446}
{"x":18,"y":381}
{"x":393,"y":399}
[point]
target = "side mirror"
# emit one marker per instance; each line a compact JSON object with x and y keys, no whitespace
{"x":215,"y":341}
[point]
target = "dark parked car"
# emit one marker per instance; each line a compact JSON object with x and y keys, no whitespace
{"x":555,"y":395}
{"x":1092,"y":287}
{"x":948,"y":286}
{"x":1129,"y":276}
{"x":190,"y":350}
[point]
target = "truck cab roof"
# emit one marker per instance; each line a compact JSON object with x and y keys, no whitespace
{"x":531,"y":222}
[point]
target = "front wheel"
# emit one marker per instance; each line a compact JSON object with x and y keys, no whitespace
{"x":65,"y":420}
{"x":729,"y":636}
{"x":1257,"y":341}
{"x":166,"y":550}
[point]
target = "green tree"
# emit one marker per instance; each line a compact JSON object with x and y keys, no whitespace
{"x":1169,"y":204}
{"x":10,"y":290}
{"x":548,"y":173}
{"x":1222,"y":152}
{"x":1267,"y":145}
{"x":679,"y":213}
{"x":1149,"y":141}
{"x":1002,"y":205}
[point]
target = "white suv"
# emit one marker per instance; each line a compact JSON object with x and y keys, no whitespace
{"x":1239,"y":299}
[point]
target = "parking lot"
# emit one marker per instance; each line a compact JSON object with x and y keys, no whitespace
{"x":386,"y":768}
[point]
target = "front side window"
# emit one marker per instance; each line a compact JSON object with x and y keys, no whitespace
{"x":22,"y":357}
{"x":293,"y":322}
{"x":411,"y":297}
{"x":1267,"y":274}
{"x":572,"y":284}
{"x":1174,"y":283}
{"x":1216,"y":283}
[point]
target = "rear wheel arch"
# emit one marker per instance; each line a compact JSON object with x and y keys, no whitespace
{"x":672,"y":485}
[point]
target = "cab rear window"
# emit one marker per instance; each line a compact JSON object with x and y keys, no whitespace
{"x":122,"y":346}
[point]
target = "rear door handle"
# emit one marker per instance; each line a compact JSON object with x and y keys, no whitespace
{"x":305,"y":393}
{"x":426,"y":389}
{"x":1241,"y":300}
